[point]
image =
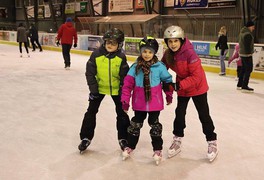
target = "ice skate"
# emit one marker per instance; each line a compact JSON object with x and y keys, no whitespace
{"x":126,"y":153}
{"x":157,"y":156}
{"x":84,"y":144}
{"x":122,"y":143}
{"x":28,"y":55}
{"x":21,"y":55}
{"x":247,"y":90}
{"x":212,"y":150}
{"x":67,"y":67}
{"x":175,"y":147}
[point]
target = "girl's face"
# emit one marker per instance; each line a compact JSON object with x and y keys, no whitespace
{"x":147,"y":54}
{"x":111,"y":45}
{"x":174,"y":44}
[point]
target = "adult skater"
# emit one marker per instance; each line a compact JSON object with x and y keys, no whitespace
{"x":105,"y":71}
{"x":22,"y":38}
{"x":222,"y":45}
{"x":143,"y":83}
{"x":66,"y":36}
{"x":246,"y":50}
{"x":191,"y":82}
{"x":34,"y":37}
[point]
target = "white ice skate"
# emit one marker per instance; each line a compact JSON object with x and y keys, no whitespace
{"x":175,"y":147}
{"x":126,"y":153}
{"x":212,"y":150}
{"x":157,"y":156}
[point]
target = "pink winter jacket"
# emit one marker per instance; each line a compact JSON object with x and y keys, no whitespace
{"x":235,"y":56}
{"x":190,"y":73}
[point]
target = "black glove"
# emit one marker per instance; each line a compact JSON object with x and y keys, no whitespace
{"x":93,"y":96}
{"x":75,"y":45}
{"x":168,"y":86}
{"x":58,"y":43}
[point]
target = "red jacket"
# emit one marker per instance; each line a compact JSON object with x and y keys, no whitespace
{"x":66,"y":33}
{"x":190,"y":73}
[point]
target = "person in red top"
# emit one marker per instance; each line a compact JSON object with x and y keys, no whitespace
{"x":191,"y":82}
{"x":66,"y":35}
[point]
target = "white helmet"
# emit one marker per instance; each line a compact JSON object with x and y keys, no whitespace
{"x":174,"y":32}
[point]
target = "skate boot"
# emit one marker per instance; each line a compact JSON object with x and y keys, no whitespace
{"x":21,"y":55}
{"x":157,"y":156}
{"x":123,"y":143}
{"x":175,"y":147}
{"x":126,"y":153}
{"x":212,"y":150}
{"x":84,"y":144}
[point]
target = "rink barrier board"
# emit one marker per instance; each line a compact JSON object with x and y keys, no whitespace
{"x":132,"y":43}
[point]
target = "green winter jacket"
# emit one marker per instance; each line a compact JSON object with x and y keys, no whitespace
{"x":105,"y":71}
{"x":246,"y":43}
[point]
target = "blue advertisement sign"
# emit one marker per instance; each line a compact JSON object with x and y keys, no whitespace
{"x":184,"y":4}
{"x":201,"y":48}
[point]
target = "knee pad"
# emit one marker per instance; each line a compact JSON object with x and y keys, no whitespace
{"x":134,"y":128}
{"x":156,"y":129}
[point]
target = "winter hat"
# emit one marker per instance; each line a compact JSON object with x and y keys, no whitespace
{"x":147,"y":47}
{"x":69,"y":19}
{"x":250,"y":23}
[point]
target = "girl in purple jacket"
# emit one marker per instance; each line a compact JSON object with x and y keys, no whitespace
{"x":144,"y":83}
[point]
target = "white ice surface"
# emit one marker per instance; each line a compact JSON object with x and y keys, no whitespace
{"x":41,"y":111}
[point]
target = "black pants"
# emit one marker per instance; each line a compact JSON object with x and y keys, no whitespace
{"x":89,"y":120}
{"x":202,"y":107}
{"x":137,"y":123}
{"x":33,"y":41}
{"x":239,"y":69}
{"x":66,"y":48}
{"x":20,"y":46}
{"x":247,"y":68}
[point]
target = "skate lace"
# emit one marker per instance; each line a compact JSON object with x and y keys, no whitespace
{"x":128,"y":150}
{"x":212,"y":147}
{"x":176,"y":143}
{"x":157,"y":153}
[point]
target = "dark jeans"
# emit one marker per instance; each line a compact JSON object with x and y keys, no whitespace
{"x":89,"y":121}
{"x":137,"y":123}
{"x":202,"y":107}
{"x":247,"y":68}
{"x":66,"y":48}
{"x":239,"y":69}
{"x":20,"y":46}
{"x":33,"y":41}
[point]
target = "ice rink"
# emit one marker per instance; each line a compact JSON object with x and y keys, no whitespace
{"x":41,"y":111}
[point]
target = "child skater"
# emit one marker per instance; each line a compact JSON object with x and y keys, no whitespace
{"x":22,"y":38}
{"x":105,"y":72}
{"x":191,"y":82}
{"x":143,"y":83}
{"x":235,"y":57}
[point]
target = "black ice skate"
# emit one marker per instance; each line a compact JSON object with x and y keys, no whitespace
{"x":123,"y":143}
{"x":84,"y":144}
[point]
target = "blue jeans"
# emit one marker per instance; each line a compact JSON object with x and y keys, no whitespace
{"x":222,"y":60}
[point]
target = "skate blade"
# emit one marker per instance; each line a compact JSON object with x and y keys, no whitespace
{"x":125,"y":158}
{"x":157,"y":162}
{"x":212,"y":159}
{"x":174,"y":154}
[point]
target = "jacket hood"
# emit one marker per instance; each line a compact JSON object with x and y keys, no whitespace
{"x":68,"y":24}
{"x":245,"y":30}
{"x":186,"y":46}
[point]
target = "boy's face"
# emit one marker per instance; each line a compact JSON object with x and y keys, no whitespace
{"x":147,"y":54}
{"x":174,"y":44}
{"x":111,"y":45}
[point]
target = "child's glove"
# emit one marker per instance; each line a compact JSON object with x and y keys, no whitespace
{"x":168,"y":97}
{"x":75,"y":45}
{"x":125,"y":106}
{"x":93,"y":96}
{"x":58,"y":43}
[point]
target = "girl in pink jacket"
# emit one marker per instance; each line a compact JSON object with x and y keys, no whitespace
{"x":235,"y":57}
{"x":190,"y":83}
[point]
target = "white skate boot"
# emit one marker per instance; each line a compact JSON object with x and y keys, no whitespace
{"x":126,"y":153}
{"x":212,"y":150}
{"x":157,"y":156}
{"x":175,"y":147}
